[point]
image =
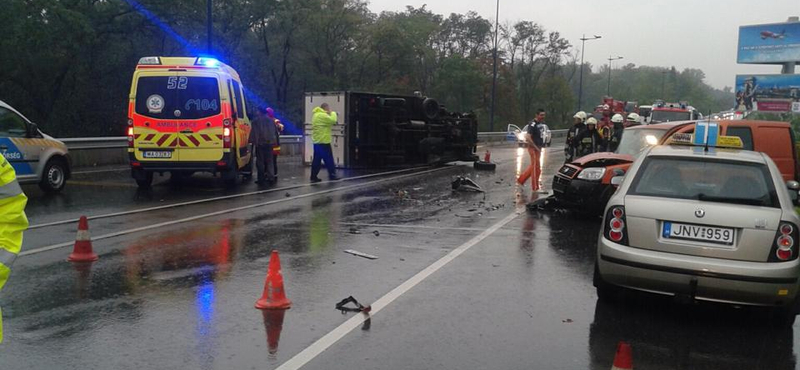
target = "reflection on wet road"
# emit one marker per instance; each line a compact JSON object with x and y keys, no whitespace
{"x":181,"y":296}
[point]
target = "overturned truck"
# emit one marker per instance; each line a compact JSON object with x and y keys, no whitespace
{"x":384,"y":130}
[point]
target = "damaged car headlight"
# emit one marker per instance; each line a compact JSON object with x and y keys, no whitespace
{"x":592,"y":174}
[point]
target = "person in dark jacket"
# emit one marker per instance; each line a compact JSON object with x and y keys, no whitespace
{"x":264,"y":136}
{"x":589,"y":141}
{"x":279,"y":130}
{"x":578,"y":127}
{"x":536,"y":142}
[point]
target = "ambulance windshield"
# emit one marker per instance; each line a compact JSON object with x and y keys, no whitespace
{"x":177,"y":97}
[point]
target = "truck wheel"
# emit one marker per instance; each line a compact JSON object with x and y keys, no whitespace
{"x":54,"y":176}
{"x":484,"y":166}
{"x":144,"y":180}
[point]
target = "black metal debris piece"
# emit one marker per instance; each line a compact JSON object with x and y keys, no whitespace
{"x":466,"y":184}
{"x":358,"y":306}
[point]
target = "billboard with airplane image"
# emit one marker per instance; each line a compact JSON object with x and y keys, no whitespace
{"x":769,"y":43}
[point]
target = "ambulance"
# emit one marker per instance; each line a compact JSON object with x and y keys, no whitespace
{"x":187,"y":115}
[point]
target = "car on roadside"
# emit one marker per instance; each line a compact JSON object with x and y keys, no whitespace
{"x":585,"y":183}
{"x":704,"y":224}
{"x":37,"y":158}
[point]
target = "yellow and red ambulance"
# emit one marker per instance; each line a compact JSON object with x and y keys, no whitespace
{"x":186,"y":115}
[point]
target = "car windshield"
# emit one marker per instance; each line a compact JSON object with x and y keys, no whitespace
{"x":669,"y":116}
{"x":706,"y":180}
{"x":177,"y":97}
{"x":635,"y":140}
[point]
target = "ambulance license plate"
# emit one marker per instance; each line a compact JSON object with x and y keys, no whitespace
{"x":157,"y":154}
{"x":708,"y":234}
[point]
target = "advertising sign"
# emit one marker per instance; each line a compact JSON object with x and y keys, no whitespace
{"x":769,"y":43}
{"x":768,"y":93}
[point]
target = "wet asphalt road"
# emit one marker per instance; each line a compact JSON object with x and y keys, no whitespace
{"x":178,"y":295}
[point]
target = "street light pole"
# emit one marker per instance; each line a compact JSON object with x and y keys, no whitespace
{"x":209,"y":20}
{"x":580,"y":84}
{"x":610,"y":59}
{"x":494,"y":73}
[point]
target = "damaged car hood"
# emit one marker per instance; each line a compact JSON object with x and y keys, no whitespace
{"x":603,"y":159}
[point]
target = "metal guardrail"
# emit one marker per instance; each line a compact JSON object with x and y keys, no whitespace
{"x":112,"y":142}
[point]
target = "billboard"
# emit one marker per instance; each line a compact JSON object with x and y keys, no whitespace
{"x":768,"y":93}
{"x":769,"y":43}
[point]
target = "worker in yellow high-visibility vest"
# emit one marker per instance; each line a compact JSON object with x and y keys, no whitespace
{"x":12,"y":222}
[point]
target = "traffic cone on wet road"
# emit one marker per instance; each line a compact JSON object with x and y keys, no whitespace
{"x":274,"y":297}
{"x":82,"y":252}
{"x":487,"y":157}
{"x":623,"y":359}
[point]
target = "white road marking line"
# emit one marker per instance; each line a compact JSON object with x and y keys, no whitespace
{"x":187,"y":219}
{"x":316,"y":348}
{"x":207,"y":200}
{"x":394,"y":226}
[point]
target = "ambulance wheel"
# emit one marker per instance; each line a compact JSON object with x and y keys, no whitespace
{"x":229,"y":177}
{"x":484,"y":166}
{"x":54,"y":176}
{"x":144,"y":179}
{"x":247,"y":170}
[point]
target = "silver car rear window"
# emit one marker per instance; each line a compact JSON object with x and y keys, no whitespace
{"x":706,"y":180}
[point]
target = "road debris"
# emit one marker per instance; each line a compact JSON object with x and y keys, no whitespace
{"x":376,"y":233}
{"x":341,"y":306}
{"x":466,"y":184}
{"x":354,"y":230}
{"x":361,"y":254}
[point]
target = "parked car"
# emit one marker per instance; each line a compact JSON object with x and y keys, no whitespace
{"x":585,"y":183}
{"x":518,"y":134}
{"x":713,"y":225}
{"x":37,"y":158}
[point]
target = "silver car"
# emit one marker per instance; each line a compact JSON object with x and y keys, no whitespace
{"x":36,"y":157}
{"x":716,"y":225}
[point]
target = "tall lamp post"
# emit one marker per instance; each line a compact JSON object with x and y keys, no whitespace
{"x":209,"y":20}
{"x":494,"y":73}
{"x":580,"y":84}
{"x":610,"y":59}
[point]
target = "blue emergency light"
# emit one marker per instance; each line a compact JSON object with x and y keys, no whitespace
{"x":207,"y":62}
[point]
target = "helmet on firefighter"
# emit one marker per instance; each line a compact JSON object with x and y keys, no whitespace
{"x":591,"y":121}
{"x":617,"y":118}
{"x":633,"y":117}
{"x":580,"y":115}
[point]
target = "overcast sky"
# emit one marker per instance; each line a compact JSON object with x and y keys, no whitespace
{"x":682,"y":33}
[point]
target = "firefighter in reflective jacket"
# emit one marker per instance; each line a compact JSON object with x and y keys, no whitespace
{"x":589,"y":141}
{"x":12,"y":222}
{"x":578,"y":127}
{"x":616,"y":134}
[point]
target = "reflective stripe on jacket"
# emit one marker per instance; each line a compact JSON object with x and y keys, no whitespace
{"x":12,"y":222}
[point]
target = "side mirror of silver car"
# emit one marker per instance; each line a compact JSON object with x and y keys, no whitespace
{"x":794,"y":191}
{"x":617,"y":180}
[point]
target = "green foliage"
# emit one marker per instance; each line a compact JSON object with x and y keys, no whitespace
{"x":67,"y":64}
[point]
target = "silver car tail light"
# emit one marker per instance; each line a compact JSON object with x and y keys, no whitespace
{"x":785,"y":246}
{"x":615,"y":225}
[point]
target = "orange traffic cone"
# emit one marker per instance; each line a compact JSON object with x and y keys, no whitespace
{"x":274,"y":297}
{"x":623,"y":359}
{"x":487,"y":157}
{"x":82,"y":252}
